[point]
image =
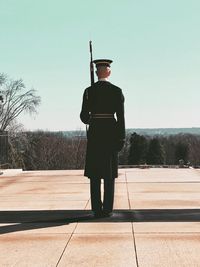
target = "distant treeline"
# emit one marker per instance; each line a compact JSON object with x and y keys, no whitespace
{"x":148,"y":131}
{"x":164,"y":131}
{"x":54,"y":150}
{"x":161,"y":150}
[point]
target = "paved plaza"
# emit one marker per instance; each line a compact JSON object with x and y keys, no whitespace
{"x":45,"y":220}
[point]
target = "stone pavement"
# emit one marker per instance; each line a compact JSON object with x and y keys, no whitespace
{"x":45,"y":220}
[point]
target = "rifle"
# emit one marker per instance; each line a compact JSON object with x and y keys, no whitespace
{"x":91,"y":76}
{"x":91,"y":65}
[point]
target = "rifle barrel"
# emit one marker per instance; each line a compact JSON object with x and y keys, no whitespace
{"x":91,"y":64}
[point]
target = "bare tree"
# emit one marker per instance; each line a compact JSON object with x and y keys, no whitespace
{"x":16,"y":99}
{"x":53,"y":150}
{"x":17,"y":143}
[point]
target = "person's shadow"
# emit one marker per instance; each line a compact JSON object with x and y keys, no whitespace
{"x":35,"y":219}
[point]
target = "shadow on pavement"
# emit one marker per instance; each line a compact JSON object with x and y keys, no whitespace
{"x":35,"y":219}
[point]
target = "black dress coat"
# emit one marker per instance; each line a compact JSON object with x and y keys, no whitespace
{"x":105,"y":135}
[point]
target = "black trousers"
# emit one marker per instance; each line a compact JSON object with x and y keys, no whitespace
{"x":108,"y":196}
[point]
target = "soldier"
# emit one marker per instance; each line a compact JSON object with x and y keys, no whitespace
{"x":102,"y":101}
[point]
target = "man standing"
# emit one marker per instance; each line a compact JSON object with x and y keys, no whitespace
{"x":102,"y":101}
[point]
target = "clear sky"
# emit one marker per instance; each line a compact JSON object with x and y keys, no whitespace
{"x":155,"y":46}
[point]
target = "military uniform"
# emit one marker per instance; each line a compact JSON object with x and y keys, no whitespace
{"x":101,"y":103}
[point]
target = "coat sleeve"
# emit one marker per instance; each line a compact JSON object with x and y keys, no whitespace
{"x":85,"y":114}
{"x":120,"y":117}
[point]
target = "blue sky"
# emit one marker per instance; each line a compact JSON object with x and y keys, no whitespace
{"x":155,"y":47}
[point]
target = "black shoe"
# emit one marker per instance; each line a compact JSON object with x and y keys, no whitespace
{"x":107,"y":213}
{"x":98,"y":214}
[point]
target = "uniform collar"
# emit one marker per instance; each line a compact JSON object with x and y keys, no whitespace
{"x":103,"y":80}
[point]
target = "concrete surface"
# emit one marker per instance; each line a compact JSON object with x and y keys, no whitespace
{"x":45,"y":220}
